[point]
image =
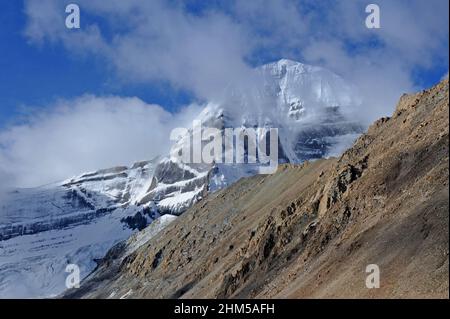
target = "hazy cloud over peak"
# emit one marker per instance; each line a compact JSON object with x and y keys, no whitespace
{"x":206,"y":48}
{"x":202,"y":47}
{"x":85,"y":134}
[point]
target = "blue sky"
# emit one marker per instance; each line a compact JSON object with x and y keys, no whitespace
{"x":37,"y":75}
{"x":173,"y":55}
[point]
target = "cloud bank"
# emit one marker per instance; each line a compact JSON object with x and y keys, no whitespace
{"x":218,"y":43}
{"x":85,"y":134}
{"x":202,"y":47}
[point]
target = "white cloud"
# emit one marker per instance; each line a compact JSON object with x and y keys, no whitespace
{"x":203,"y":52}
{"x":381,"y":62}
{"x":84,"y":134}
{"x":152,"y":41}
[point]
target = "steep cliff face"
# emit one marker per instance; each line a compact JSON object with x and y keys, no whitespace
{"x":311,"y":230}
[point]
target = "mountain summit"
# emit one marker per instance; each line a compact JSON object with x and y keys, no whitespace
{"x":78,"y":220}
{"x":312,"y":108}
{"x":311,"y":230}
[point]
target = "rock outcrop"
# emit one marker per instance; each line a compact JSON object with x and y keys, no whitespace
{"x":310,"y":230}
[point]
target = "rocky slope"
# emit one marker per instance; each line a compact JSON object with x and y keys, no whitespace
{"x":77,"y":221}
{"x":310,"y":230}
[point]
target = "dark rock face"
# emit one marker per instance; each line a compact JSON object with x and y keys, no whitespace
{"x":169,"y":173}
{"x":141,"y":219}
{"x":70,"y":208}
{"x":316,"y":142}
{"x":348,"y":175}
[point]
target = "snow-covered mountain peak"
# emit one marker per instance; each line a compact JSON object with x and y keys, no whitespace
{"x":283,"y":93}
{"x":80,"y":219}
{"x":305,"y":90}
{"x":280,"y":68}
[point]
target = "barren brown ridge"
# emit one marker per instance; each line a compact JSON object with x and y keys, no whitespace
{"x":310,"y":230}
